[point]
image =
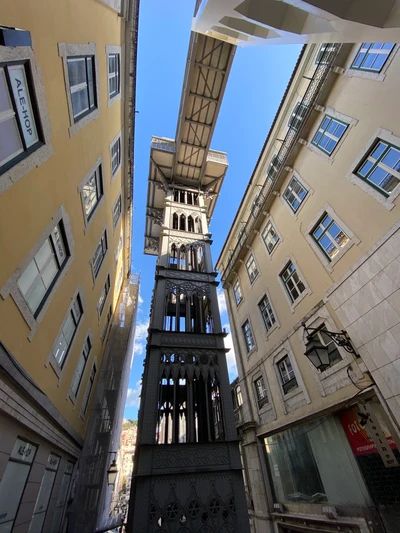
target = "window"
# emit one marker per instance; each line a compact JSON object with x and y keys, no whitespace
{"x":37,"y":280}
{"x":248,"y":336}
{"x":294,"y":194}
{"x":104,"y":331}
{"x":333,"y":352}
{"x":286,"y":372}
{"x":299,"y":112}
{"x":329,"y":236}
{"x":261,"y":392}
{"x":381,"y":168}
{"x":20,"y":132}
{"x":274,"y":167}
{"x":237,"y":291}
{"x":372,"y":56}
{"x":88,"y":391}
{"x":293,"y":284}
{"x":116,"y":212}
{"x":238,"y":395}
{"x":113,"y":75}
{"x":267,"y":312}
{"x":118,"y":250}
{"x":324,"y":53}
{"x":25,"y":130}
{"x":80,"y":367}
{"x":99,"y":254}
{"x":103,"y":295}
{"x":115,"y":155}
{"x":329,"y":134}
{"x":45,"y":493}
{"x":62,"y":496}
{"x":82,"y":81}
{"x":270,"y":237}
{"x":67,"y":333}
{"x":251,"y":268}
{"x":92,"y":192}
{"x":13,"y":482}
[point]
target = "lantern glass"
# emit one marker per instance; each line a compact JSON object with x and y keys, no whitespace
{"x":112,"y":473}
{"x":317,"y":353}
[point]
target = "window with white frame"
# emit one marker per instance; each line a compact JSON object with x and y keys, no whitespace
{"x":274,"y":167}
{"x":92,"y":192}
{"x":371,"y":57}
{"x":329,"y":236}
{"x":37,"y":280}
{"x":381,"y":167}
{"x":103,"y":295}
{"x":251,"y":268}
{"x":237,"y":291}
{"x":80,"y":367}
{"x":99,"y":254}
{"x":261,"y":392}
{"x":286,"y":373}
{"x":104,"y":331}
{"x":297,"y":117}
{"x":292,"y":282}
{"x":324,"y":53}
{"x":116,"y":212}
{"x":113,"y":75}
{"x":329,"y":134}
{"x":67,"y":333}
{"x":239,"y":397}
{"x":248,"y":336}
{"x":294,"y":194}
{"x":255,"y":206}
{"x":267,"y":312}
{"x":115,"y":156}
{"x":270,"y":237}
{"x":82,"y":85}
{"x":88,"y":391}
{"x":20,"y":128}
{"x":325,"y":340}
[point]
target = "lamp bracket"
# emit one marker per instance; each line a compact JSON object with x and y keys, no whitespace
{"x":340,"y":338}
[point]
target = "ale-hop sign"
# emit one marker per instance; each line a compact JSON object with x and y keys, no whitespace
{"x":23,"y":102}
{"x":367,"y":433}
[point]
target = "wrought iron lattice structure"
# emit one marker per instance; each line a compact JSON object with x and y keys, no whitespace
{"x":187,"y":470}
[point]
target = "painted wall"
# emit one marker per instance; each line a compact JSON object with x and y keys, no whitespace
{"x":28,"y":206}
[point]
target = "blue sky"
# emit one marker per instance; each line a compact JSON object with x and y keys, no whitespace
{"x":255,"y":87}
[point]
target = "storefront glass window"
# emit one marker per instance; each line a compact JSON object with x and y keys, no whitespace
{"x":313,"y":463}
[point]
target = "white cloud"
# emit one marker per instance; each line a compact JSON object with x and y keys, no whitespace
{"x":221,"y":301}
{"x":140,"y":300}
{"x":132,"y":398}
{"x":230,"y":356}
{"x":140,"y":338}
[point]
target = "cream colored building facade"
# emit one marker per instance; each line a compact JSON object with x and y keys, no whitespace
{"x":316,"y":240}
{"x":67,"y":303}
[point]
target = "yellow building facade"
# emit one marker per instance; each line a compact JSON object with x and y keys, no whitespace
{"x":67,"y":93}
{"x":315,"y":244}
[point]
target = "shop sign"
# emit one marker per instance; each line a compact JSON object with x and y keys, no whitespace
{"x":371,"y":437}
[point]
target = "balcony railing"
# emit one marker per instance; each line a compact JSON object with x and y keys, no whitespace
{"x":316,"y":82}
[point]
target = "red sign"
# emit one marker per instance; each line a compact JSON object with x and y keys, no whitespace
{"x":357,"y":435}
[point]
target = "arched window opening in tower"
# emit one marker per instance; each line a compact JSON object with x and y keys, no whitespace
{"x":189,"y":404}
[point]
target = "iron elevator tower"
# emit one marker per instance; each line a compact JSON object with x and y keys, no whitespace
{"x":188,"y":473}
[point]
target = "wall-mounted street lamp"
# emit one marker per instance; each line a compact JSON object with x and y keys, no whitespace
{"x":112,"y":472}
{"x":317,"y":353}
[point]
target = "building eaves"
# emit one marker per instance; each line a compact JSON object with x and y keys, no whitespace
{"x":280,"y":107}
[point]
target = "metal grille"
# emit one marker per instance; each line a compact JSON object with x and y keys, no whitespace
{"x":321,"y":72}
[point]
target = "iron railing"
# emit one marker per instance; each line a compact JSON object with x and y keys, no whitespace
{"x":321,"y":72}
